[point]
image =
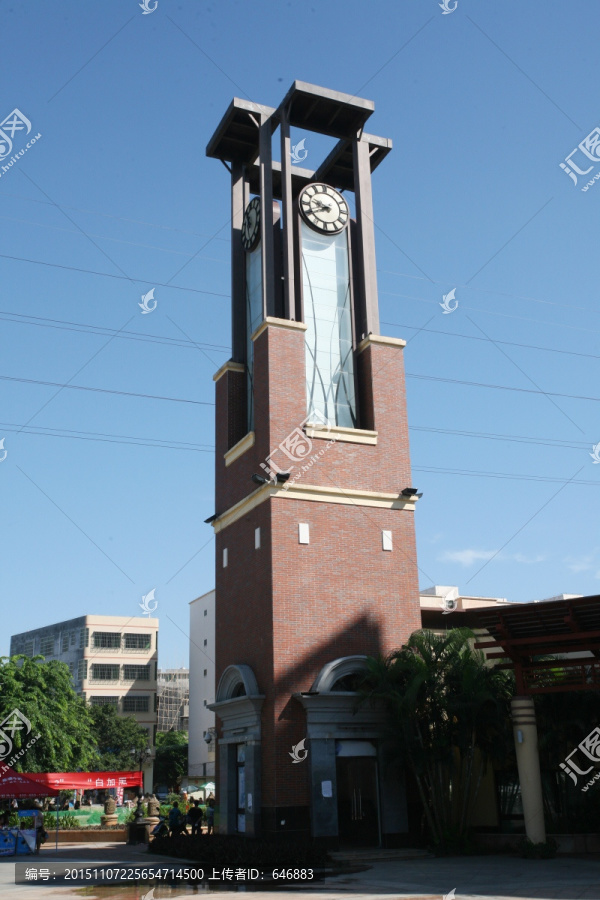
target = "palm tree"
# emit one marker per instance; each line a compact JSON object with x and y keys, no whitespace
{"x":448,"y":718}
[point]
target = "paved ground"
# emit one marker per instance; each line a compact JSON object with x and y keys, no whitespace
{"x":474,"y":878}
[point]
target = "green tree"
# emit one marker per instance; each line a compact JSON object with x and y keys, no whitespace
{"x":171,"y":762}
{"x":448,"y":719}
{"x":43,"y":692}
{"x":119,"y":739}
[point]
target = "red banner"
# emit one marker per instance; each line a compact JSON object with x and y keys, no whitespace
{"x":89,"y":781}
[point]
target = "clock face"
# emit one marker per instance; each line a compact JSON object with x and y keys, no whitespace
{"x":324,"y":208}
{"x":251,"y":225}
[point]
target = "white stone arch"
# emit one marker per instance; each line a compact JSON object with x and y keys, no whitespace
{"x":336,"y":669}
{"x":237,"y":681}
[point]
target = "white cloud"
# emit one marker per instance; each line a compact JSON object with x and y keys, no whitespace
{"x":468,"y":557}
{"x":582,"y":563}
{"x":465,"y":557}
{"x":520,"y":558}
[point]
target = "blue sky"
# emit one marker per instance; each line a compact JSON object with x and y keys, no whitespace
{"x":482,"y":106}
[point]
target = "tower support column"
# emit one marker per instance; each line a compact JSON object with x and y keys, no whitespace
{"x":528,"y":763}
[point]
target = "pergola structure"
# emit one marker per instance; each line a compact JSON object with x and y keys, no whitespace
{"x":522,"y":632}
{"x":518,"y":636}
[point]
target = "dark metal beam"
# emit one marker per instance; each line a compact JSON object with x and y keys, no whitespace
{"x":367,"y":275}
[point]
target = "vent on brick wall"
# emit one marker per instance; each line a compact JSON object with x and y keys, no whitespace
{"x":303,"y":533}
{"x":257,"y":538}
{"x":386,"y":540}
{"x":225,"y":560}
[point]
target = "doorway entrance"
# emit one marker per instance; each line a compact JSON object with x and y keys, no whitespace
{"x":358,"y":800}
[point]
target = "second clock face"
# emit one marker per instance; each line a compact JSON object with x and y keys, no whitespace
{"x":251,"y":225}
{"x":324,"y":208}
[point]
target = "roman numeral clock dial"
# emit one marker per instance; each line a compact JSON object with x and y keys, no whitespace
{"x":251,"y":225}
{"x":323,"y":208}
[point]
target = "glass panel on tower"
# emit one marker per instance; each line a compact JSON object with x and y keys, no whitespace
{"x":330,"y":390}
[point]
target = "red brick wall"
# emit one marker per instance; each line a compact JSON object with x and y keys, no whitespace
{"x":288,"y":609}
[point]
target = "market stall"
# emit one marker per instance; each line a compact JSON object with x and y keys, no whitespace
{"x":17,"y":786}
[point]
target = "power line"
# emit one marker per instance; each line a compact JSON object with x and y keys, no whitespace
{"x":175,"y":287}
{"x":502,"y":387}
{"x":490,"y":312}
{"x":118,"y":218}
{"x":515,"y":438}
{"x":79,"y":387}
{"x":508,"y":475}
{"x":442,"y":283}
{"x":475,"y":337}
{"x":105,"y":237}
{"x":79,"y":328}
{"x":100,"y":436}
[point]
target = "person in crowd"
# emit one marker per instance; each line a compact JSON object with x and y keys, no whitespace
{"x":210,"y":815}
{"x":38,"y":824}
{"x":176,"y":820}
{"x":195,"y":817}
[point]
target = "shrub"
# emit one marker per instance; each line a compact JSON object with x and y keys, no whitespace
{"x":529,"y":850}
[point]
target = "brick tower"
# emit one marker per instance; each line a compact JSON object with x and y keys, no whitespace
{"x":315,"y":548}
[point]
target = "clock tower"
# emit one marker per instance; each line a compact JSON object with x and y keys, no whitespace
{"x":314,"y":517}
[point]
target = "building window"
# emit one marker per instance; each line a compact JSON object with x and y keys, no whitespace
{"x":205,"y":702}
{"x":73,"y":636}
{"x":107,"y":639}
{"x":83,"y":637}
{"x":47,"y":646}
{"x":303,"y":533}
{"x":136,"y":673}
{"x":386,"y":540}
{"x":225,"y":557}
{"x":104,"y":701}
{"x":137,"y":642}
{"x":257,"y":538}
{"x":28,"y":648}
{"x":136,"y":704}
{"x":105,"y":672}
{"x":156,"y":703}
{"x":64,"y":642}
{"x":205,"y":612}
{"x":205,"y":672}
{"x":205,"y":642}
{"x":82,"y":670}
